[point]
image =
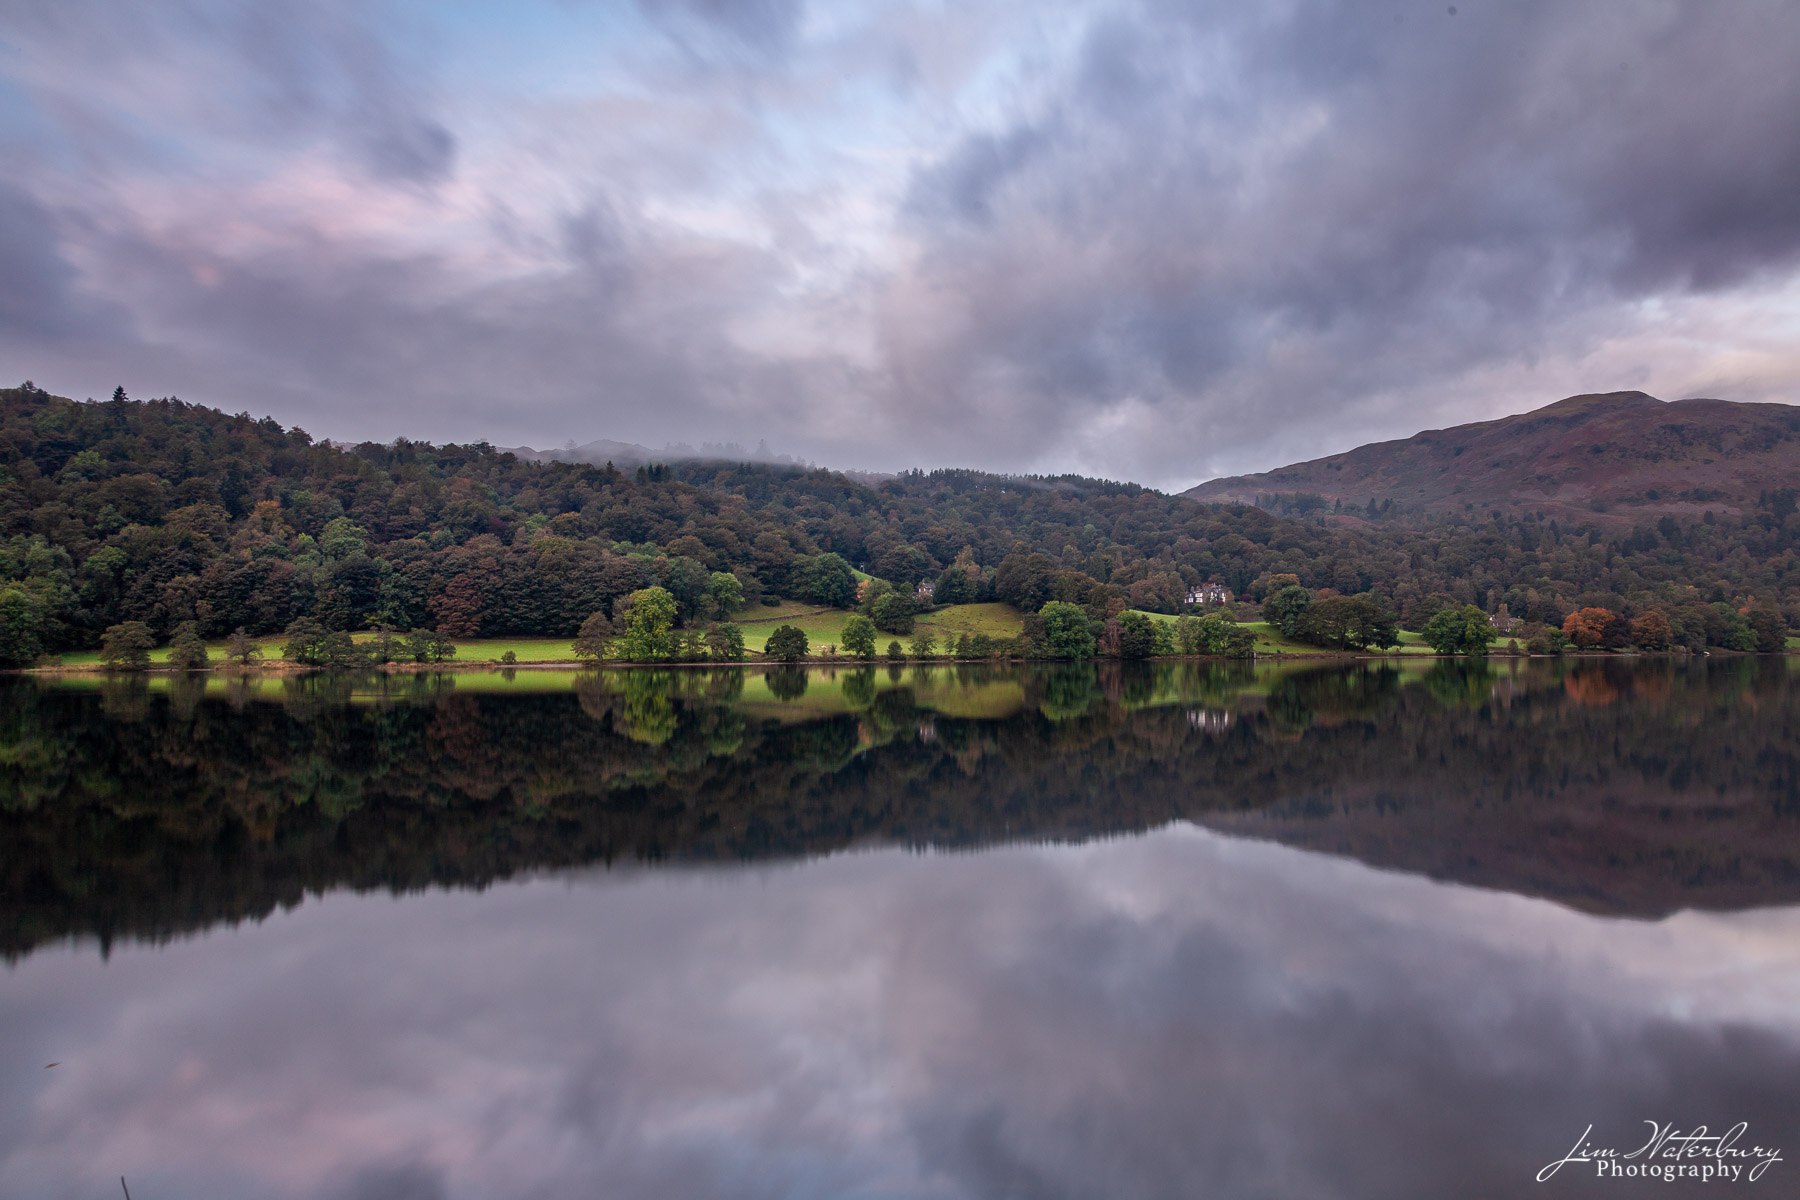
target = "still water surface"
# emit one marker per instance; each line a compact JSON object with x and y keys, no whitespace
{"x":1185,"y":931}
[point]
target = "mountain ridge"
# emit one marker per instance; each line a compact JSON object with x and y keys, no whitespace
{"x":1608,"y":457}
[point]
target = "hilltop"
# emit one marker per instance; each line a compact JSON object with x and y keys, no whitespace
{"x":1614,"y":458}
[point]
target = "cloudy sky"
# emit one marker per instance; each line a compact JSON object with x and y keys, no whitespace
{"x":1152,"y":241}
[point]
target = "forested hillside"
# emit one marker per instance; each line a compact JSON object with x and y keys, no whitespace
{"x":165,"y":512}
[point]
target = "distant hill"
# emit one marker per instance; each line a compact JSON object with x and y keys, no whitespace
{"x":1617,"y":457}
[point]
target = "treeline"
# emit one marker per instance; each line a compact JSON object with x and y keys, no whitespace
{"x":163,"y":512}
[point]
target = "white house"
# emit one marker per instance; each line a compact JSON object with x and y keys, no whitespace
{"x":1208,"y":593}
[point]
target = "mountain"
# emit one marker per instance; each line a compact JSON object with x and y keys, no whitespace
{"x":1611,"y":458}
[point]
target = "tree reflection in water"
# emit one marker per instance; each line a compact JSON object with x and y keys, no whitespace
{"x":143,"y":808}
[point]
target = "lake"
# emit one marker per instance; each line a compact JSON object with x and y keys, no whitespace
{"x":1186,"y":930}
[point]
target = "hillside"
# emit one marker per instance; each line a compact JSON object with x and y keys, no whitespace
{"x":1617,"y":458}
{"x":165,"y":512}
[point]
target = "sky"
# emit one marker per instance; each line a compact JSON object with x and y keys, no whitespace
{"x":1145,"y":240}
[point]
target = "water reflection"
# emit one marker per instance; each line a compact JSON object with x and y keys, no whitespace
{"x":1176,"y":1014}
{"x":145,"y":808}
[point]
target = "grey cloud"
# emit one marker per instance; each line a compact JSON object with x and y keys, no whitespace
{"x":41,"y":299}
{"x":283,"y":75}
{"x":408,"y":1181}
{"x":1390,"y":193}
{"x":1206,"y":236}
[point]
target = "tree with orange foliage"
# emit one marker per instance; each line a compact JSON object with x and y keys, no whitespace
{"x":1586,"y":627}
{"x":1652,"y":632}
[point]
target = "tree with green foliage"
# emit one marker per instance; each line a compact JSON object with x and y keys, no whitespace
{"x":895,"y":652}
{"x":1217,"y":634}
{"x":186,"y":651}
{"x":509,"y":658}
{"x":924,"y":645}
{"x":241,"y":648}
{"x":1460,"y":631}
{"x":595,"y":636}
{"x":428,"y":646}
{"x":823,"y":579}
{"x":649,"y":626}
{"x":1769,"y":628}
{"x":725,"y":643}
{"x":893,"y":613}
{"x":787,"y":643}
{"x":859,"y":636}
{"x":1067,"y":630}
{"x":386,"y":646}
{"x":724,"y":594}
{"x":127,"y":645}
{"x":21,"y":627}
{"x":1284,"y":608}
{"x":1347,"y":623}
{"x":1137,"y":635}
{"x":310,"y":644}
{"x":954,"y":587}
{"x":964,"y":647}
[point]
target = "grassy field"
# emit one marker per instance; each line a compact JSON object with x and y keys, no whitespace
{"x":1270,"y":641}
{"x":822,"y":627}
{"x":826,"y":627}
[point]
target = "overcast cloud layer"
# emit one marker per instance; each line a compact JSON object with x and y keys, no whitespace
{"x":1154,"y":241}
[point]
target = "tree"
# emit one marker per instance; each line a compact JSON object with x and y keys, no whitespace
{"x":649,"y":624}
{"x":1284,"y":608}
{"x":1651,"y":631}
{"x":893,"y":613}
{"x":787,"y":643}
{"x":823,"y":579}
{"x":186,"y":651}
{"x":954,"y":587}
{"x":1347,"y":622}
{"x":724,"y":593}
{"x":595,"y":636}
{"x":924,"y":645}
{"x":1586,"y":627}
{"x":859,"y":636}
{"x":387,"y":646}
{"x":241,"y":649}
{"x":21,"y":627}
{"x":1066,"y":630}
{"x":895,"y":653}
{"x":425,"y":646}
{"x":1459,"y":631}
{"x":1137,"y":635}
{"x":1769,"y":628}
{"x":127,"y":645}
{"x":311,"y":644}
{"x":1218,"y":634}
{"x":725,"y":642}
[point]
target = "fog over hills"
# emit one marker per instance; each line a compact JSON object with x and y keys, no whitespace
{"x":1618,"y":456}
{"x":629,"y":454}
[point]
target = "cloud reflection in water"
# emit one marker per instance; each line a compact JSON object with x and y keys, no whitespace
{"x":1168,"y":1015}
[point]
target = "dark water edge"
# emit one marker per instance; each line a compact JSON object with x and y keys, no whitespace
{"x":144,"y":809}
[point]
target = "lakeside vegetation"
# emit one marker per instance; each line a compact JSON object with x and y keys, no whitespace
{"x":146,"y":532}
